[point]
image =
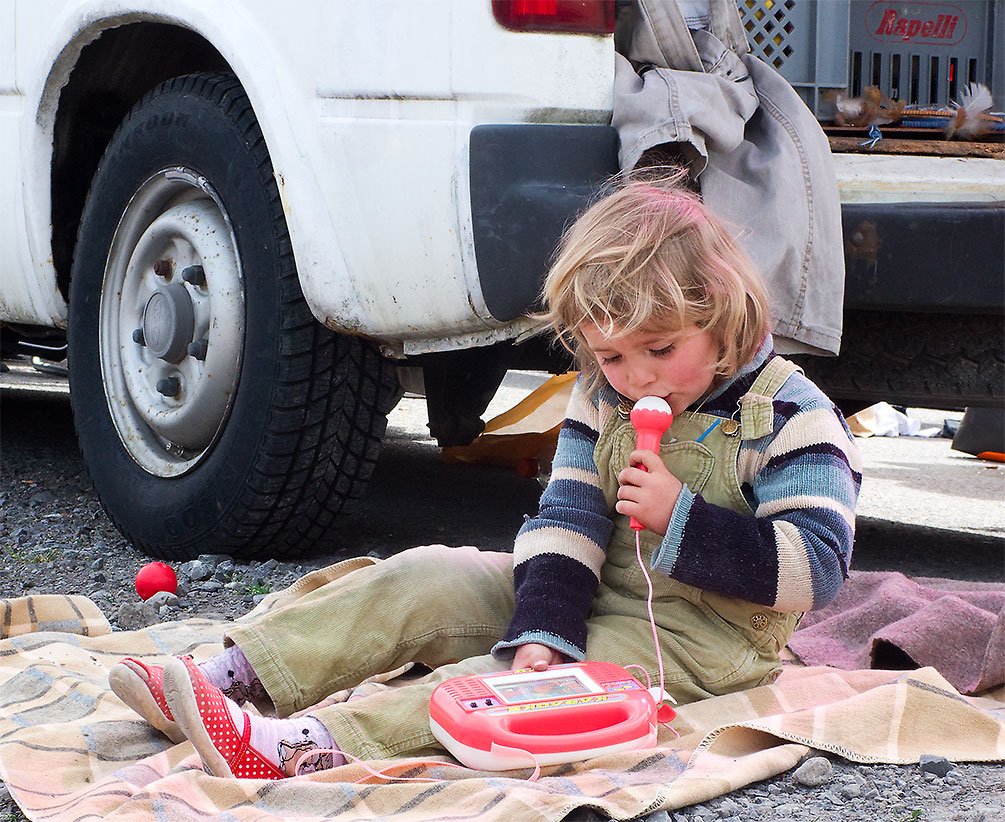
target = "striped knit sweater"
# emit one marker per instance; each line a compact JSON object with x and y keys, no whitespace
{"x":792,"y":554}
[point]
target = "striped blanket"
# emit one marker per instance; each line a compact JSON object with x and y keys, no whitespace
{"x":70,"y":750}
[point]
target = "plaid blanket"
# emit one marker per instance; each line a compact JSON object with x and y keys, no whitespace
{"x":70,"y":750}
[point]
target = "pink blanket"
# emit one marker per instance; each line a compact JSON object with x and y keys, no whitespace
{"x":883,"y":619}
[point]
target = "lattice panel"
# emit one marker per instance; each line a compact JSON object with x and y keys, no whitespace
{"x":769,"y":27}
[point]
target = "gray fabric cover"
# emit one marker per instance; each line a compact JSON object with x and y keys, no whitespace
{"x":761,"y":159}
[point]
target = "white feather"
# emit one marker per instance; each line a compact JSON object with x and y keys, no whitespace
{"x":850,"y":107}
{"x":976,"y":99}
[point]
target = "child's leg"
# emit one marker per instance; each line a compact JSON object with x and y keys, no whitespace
{"x":140,"y":686}
{"x":392,"y":721}
{"x":232,"y":742}
{"x":231,"y":672}
{"x":431,"y":604}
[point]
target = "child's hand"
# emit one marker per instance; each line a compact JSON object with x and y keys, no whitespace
{"x":650,"y":495}
{"x":536,"y":656}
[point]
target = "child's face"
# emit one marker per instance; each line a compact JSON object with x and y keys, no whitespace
{"x":678,"y":366}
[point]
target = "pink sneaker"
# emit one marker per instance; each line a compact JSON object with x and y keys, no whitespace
{"x":200,"y":709}
{"x":141,"y":687}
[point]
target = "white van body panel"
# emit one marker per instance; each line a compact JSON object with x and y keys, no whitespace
{"x":366,"y":109}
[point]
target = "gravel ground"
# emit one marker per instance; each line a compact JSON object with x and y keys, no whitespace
{"x":54,"y":537}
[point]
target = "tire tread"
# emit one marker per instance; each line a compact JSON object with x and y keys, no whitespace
{"x":330,"y":399}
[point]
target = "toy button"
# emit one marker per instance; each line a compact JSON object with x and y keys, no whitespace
{"x":729,"y":427}
{"x":475,"y":704}
{"x":758,"y":622}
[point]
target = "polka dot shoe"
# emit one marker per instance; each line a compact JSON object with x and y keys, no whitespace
{"x":141,"y":687}
{"x":202,"y":712}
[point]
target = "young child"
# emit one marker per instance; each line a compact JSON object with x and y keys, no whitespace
{"x":748,"y":509}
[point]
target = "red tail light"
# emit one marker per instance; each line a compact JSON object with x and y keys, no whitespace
{"x":581,"y":16}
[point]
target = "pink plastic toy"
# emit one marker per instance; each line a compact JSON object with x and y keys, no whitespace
{"x":650,"y":418}
{"x":512,"y":719}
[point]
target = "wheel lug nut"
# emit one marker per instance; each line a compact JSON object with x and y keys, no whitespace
{"x":168,"y":386}
{"x":198,"y":349}
{"x":138,"y":337}
{"x":163,"y":268}
{"x":194,"y":275}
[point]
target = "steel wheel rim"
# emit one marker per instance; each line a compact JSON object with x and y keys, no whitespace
{"x":171,"y":322}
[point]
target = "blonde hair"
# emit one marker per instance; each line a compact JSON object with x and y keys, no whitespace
{"x":648,"y":255}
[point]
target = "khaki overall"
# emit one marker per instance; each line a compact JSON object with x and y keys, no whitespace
{"x":447,"y":607}
{"x":711,"y":644}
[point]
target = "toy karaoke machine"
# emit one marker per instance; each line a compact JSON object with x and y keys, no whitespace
{"x":512,"y":719}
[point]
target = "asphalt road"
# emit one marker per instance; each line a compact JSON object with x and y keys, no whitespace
{"x":925,"y":509}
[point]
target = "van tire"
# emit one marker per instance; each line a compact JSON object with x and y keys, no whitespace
{"x":283,"y":432}
{"x":914,"y":359}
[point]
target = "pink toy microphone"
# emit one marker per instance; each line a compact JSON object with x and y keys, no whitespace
{"x":650,"y":417}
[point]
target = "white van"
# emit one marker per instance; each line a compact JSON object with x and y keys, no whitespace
{"x":245,"y":219}
{"x":243,"y":213}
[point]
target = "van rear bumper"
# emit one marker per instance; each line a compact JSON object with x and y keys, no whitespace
{"x":528,"y":182}
{"x":943,"y":257}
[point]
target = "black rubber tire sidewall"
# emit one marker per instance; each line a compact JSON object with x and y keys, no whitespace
{"x":191,"y":122}
{"x":913,"y":359}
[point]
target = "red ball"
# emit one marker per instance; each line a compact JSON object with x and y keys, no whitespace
{"x":154,"y":577}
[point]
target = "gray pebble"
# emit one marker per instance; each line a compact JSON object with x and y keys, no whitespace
{"x":42,"y":498}
{"x":132,"y":616}
{"x":224,"y":571}
{"x":162,"y":598}
{"x":211,"y":586}
{"x":814,"y":771}
{"x":988,"y":813}
{"x":937,"y":765}
{"x":196,"y":570}
{"x":215,"y":559}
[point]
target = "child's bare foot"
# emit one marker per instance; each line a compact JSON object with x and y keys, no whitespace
{"x":232,"y":742}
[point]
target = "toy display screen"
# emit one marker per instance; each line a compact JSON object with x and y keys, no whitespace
{"x":529,"y":690}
